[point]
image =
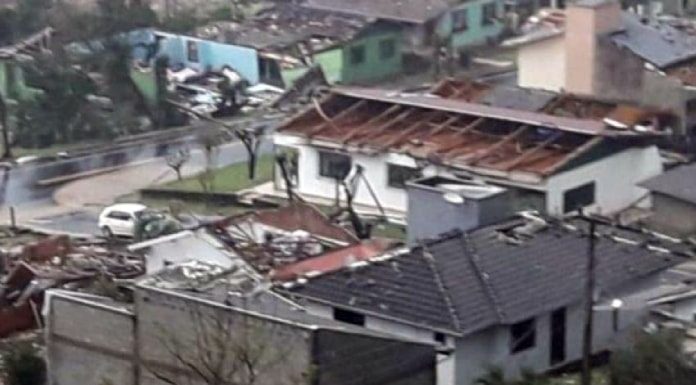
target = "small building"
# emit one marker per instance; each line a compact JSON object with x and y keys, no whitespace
{"x":507,"y":295}
{"x":195,"y":321}
{"x":673,"y":201}
{"x":553,"y":161}
{"x":290,"y":39}
{"x":594,"y":48}
{"x":430,"y":22}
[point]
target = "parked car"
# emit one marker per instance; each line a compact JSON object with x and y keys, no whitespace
{"x":120,"y":219}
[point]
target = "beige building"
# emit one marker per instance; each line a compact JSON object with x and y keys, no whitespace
{"x":594,"y":48}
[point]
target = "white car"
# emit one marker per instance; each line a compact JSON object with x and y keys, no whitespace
{"x":120,"y":219}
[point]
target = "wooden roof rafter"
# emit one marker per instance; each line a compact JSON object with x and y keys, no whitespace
{"x":573,"y":155}
{"x":358,"y":130}
{"x":398,"y":138}
{"x":379,"y":130}
{"x":333,"y":120}
{"x":528,"y":154}
{"x":502,"y":142}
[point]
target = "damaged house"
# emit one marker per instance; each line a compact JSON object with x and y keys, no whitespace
{"x":551,"y":159}
{"x":594,"y":48}
{"x":507,"y":295}
{"x":290,"y":39}
{"x":195,"y":322}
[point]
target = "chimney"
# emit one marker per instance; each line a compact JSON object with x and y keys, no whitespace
{"x":440,"y":204}
{"x":585,"y":21}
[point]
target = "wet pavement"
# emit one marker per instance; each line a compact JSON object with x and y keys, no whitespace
{"x":77,"y":223}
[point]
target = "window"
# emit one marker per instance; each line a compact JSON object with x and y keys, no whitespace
{"x":523,"y":335}
{"x":119,"y":215}
{"x":440,"y":338}
{"x":399,"y":175}
{"x":357,"y":54}
{"x":579,"y":197}
{"x":387,"y":49}
{"x":334,"y":165}
{"x":460,"y":20}
{"x":489,"y":14}
{"x":348,"y":316}
{"x":192,"y":51}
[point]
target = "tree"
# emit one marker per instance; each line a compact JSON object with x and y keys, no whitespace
{"x":219,"y":346}
{"x":653,"y":359}
{"x":4,"y":125}
{"x":176,"y":160}
{"x":23,"y":365}
{"x":209,"y":139}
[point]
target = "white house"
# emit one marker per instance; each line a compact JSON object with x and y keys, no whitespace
{"x":555,"y":164}
{"x":507,"y":296}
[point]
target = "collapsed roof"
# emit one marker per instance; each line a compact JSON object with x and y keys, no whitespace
{"x":287,"y":29}
{"x":498,"y":141}
{"x":464,"y":282}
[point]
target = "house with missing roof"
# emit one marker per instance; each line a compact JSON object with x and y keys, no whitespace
{"x":507,"y":295}
{"x":594,"y":48}
{"x":673,"y":201}
{"x":460,"y":24}
{"x":550,"y":159}
{"x":187,"y":319}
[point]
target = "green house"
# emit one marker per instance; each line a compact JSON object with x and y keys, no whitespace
{"x":472,"y":23}
{"x":375,"y":53}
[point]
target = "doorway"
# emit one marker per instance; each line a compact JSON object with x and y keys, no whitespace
{"x":558,"y":336}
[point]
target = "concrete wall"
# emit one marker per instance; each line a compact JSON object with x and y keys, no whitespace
{"x":615,"y":180}
{"x":429,"y":214}
{"x":672,"y":216}
{"x":542,"y":65}
{"x":88,"y":344}
{"x":166,"y":330}
{"x":618,"y":73}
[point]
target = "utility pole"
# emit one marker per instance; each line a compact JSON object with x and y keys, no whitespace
{"x":4,"y":124}
{"x":589,"y":306}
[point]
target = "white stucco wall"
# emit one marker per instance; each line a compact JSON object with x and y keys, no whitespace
{"x":615,"y":180}
{"x":445,"y":364}
{"x":313,"y":184}
{"x":542,"y":65}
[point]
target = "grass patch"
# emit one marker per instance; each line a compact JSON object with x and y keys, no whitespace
{"x":229,"y":179}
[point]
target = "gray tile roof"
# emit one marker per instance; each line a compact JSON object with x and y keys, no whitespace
{"x":678,"y":183}
{"x":658,"y":43}
{"x":411,"y":11}
{"x":466,"y":282}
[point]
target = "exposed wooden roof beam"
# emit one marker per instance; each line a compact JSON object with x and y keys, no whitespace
{"x":505,"y":140}
{"x":379,"y":130}
{"x":470,"y":127}
{"x":358,"y":130}
{"x":573,"y":155}
{"x":444,"y":125}
{"x":409,"y":130}
{"x":526,"y":155}
{"x":332,"y":121}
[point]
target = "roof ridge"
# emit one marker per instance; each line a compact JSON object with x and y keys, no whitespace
{"x":441,"y":285}
{"x":489,"y":290}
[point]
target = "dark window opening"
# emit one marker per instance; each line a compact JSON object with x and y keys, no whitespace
{"x":523,"y":335}
{"x":334,"y":165}
{"x":579,"y":197}
{"x":387,"y":49}
{"x":192,"y":51}
{"x":397,"y":176}
{"x":460,"y":20}
{"x":558,"y":333}
{"x":118,"y":215}
{"x":440,"y":338}
{"x":348,"y":316}
{"x":489,"y":14}
{"x":357,"y":55}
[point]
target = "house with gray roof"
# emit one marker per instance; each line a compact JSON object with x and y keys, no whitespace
{"x":595,"y":48}
{"x":673,"y":201}
{"x":507,"y":295}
